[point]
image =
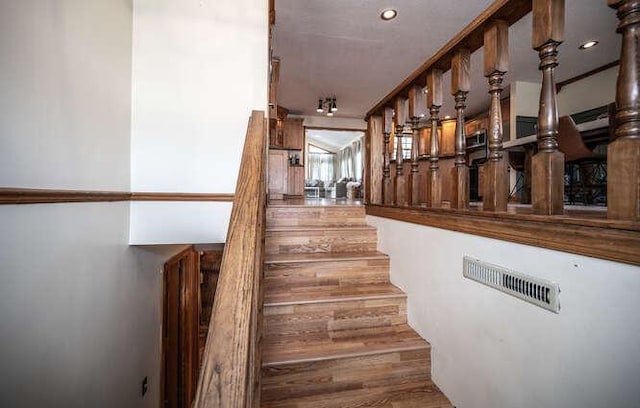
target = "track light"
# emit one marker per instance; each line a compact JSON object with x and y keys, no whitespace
{"x":328,"y":104}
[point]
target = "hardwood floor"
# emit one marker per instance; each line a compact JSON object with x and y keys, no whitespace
{"x":335,"y":327}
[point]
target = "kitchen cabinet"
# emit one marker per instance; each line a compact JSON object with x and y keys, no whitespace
{"x":293,"y":134}
{"x":295,"y":183}
{"x":278,"y":173}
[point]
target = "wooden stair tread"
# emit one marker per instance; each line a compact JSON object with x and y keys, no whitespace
{"x":298,"y":348}
{"x":321,"y":228}
{"x":320,"y":294}
{"x":410,"y":395}
{"x":322,"y":257}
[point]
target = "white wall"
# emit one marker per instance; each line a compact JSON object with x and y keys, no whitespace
{"x":79,"y":309}
{"x":588,"y":93}
{"x":524,"y":101}
{"x":323,"y":121}
{"x":199,"y":68}
{"x":65,"y":75}
{"x":200,"y":222}
{"x":492,"y":350}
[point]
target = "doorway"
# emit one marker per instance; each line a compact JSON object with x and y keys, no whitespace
{"x":334,"y":163}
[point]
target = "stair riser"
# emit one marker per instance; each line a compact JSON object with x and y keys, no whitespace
{"x":336,"y":273}
{"x":311,"y":241}
{"x":307,"y":379}
{"x":325,"y":317}
{"x":314,"y":216}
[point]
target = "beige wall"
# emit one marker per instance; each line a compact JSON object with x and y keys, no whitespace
{"x":80,"y":310}
{"x":199,"y":68}
{"x":490,"y":349}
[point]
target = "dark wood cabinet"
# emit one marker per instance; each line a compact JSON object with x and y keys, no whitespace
{"x":293,"y":134}
{"x":295,"y":181}
{"x":278,"y":173}
{"x":448,"y":138}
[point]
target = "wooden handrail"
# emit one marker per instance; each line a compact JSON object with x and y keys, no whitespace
{"x":231,"y":363}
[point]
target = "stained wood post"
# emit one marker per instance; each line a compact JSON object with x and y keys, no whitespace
{"x":374,"y":166}
{"x":547,"y":166}
{"x":496,"y":64}
{"x":400,"y":119}
{"x":434,"y":102}
{"x":460,"y":86}
{"x":417,"y":110}
{"x":387,"y":192}
{"x":623,"y":154}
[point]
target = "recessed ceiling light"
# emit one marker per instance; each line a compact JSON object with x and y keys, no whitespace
{"x":588,"y":44}
{"x":388,"y":14}
{"x":448,"y":117}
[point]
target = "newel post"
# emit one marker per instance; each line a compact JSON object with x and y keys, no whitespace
{"x":387,"y":192}
{"x":496,"y":64}
{"x":623,"y":154}
{"x":434,"y":102}
{"x":374,"y":160}
{"x":460,"y":86}
{"x":417,"y":110}
{"x":401,"y":119}
{"x":547,"y":166}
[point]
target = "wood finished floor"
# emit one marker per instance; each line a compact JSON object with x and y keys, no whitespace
{"x":335,"y":331}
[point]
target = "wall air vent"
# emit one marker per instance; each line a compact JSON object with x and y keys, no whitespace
{"x":540,"y":292}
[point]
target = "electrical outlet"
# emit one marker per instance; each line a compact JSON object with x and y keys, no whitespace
{"x":145,"y":385}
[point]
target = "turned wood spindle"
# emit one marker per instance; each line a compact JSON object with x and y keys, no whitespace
{"x":434,"y":102}
{"x":547,"y":166}
{"x":460,"y":86}
{"x":623,"y":154}
{"x":417,"y":110}
{"x":496,"y":64}
{"x":401,"y":119}
{"x":387,"y":193}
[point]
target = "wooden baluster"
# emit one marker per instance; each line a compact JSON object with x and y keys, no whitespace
{"x":401,"y":120}
{"x":417,"y":110}
{"x":387,"y":193}
{"x":547,"y":166}
{"x":496,"y":64}
{"x":434,"y":101}
{"x":460,"y":86}
{"x":623,"y":154}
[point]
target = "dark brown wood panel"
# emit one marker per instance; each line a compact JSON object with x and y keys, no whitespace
{"x":599,"y":238}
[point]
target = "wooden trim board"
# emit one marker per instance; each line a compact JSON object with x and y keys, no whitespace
{"x":600,"y":238}
{"x":44,"y":196}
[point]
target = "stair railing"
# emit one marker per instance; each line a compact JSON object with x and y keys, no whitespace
{"x":419,"y":196}
{"x":230,"y":372}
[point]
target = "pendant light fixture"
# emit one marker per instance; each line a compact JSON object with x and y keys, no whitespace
{"x":328,"y":106}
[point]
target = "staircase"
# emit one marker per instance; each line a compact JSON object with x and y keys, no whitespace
{"x":335,"y":331}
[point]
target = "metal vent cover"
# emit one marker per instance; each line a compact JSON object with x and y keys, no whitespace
{"x":540,"y":292}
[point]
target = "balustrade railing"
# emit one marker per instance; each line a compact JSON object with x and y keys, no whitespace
{"x":408,"y":103}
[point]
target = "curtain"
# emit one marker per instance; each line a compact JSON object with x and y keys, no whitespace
{"x":349,"y":161}
{"x":320,"y":166}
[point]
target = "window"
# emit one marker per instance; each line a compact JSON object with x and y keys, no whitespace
{"x":406,"y":148}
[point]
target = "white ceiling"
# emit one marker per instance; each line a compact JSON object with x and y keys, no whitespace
{"x":331,"y":140}
{"x":343,"y":48}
